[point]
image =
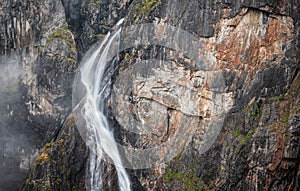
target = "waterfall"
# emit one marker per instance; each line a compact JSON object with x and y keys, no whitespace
{"x":101,"y":138}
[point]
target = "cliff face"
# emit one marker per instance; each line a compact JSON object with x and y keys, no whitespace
{"x":255,"y":45}
{"x":34,"y":36}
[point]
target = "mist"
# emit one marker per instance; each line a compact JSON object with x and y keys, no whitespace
{"x":16,"y":152}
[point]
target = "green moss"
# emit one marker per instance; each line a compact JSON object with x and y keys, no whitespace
{"x":276,"y":97}
{"x":236,"y":133}
{"x":58,"y":181}
{"x":63,"y":34}
{"x":242,"y":141}
{"x":283,"y":112}
{"x":247,"y":136}
{"x":40,"y":48}
{"x":287,"y":134}
{"x":255,"y":112}
{"x":188,"y":180}
{"x":42,"y":184}
{"x":71,"y":60}
{"x":143,"y":7}
{"x":28,"y":181}
{"x":48,"y":145}
{"x":128,"y":56}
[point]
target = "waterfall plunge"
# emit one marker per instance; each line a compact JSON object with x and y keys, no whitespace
{"x":100,"y":136}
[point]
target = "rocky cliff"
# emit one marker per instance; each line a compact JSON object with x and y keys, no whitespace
{"x":255,"y":46}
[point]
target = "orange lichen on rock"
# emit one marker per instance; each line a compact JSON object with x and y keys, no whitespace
{"x":44,"y":157}
{"x":252,"y":40}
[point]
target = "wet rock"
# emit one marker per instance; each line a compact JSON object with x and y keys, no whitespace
{"x":90,"y":21}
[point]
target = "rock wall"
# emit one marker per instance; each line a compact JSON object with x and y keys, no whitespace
{"x":254,"y":44}
{"x":61,"y":163}
{"x":35,"y":36}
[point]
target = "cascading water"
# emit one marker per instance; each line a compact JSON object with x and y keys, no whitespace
{"x":100,"y":135}
{"x":88,"y":105}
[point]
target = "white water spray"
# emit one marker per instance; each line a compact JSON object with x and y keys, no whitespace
{"x":100,"y":136}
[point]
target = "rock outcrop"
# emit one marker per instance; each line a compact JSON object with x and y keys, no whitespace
{"x":34,"y":35}
{"x":254,"y":46}
{"x":61,"y":163}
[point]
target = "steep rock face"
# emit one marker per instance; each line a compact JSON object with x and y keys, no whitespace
{"x":91,"y":20}
{"x":37,"y":47}
{"x":199,"y":17}
{"x":61,"y":163}
{"x":254,"y":44}
{"x":45,"y":48}
{"x":258,"y":52}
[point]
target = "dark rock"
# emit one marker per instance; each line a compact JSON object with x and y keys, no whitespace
{"x":254,"y":44}
{"x":62,"y":163}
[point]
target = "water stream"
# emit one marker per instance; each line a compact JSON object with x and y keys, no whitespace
{"x":101,"y":138}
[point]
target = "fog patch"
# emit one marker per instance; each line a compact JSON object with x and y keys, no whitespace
{"x":16,"y":151}
{"x":10,"y":73}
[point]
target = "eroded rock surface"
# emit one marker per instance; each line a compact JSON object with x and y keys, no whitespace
{"x":34,"y":36}
{"x":61,"y":163}
{"x":254,"y":45}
